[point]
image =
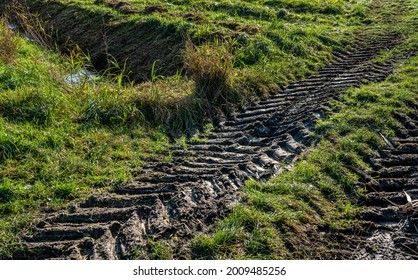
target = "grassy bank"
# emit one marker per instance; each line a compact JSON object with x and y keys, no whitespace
{"x":245,"y":50}
{"x":303,"y":213}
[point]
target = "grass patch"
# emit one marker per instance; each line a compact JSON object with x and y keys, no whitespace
{"x":210,"y":67}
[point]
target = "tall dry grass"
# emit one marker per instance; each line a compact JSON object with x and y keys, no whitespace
{"x":8,"y":42}
{"x":211,"y":68}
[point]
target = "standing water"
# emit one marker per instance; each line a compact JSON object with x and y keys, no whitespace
{"x":77,"y":76}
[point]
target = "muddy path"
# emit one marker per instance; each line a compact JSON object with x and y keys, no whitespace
{"x":392,"y":199}
{"x":174,"y":201}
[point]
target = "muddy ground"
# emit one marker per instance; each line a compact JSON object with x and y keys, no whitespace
{"x":392,"y":199}
{"x":175,"y":201}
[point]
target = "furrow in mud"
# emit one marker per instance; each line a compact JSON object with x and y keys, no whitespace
{"x":181,"y":198}
{"x":392,"y":198}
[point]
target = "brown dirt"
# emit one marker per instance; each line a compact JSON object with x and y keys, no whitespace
{"x":129,"y":8}
{"x":154,"y":9}
{"x":193,"y":17}
{"x":250,"y":29}
{"x":121,"y":6}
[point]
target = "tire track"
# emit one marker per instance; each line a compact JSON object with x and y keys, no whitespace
{"x":394,"y":230}
{"x":183,"y":197}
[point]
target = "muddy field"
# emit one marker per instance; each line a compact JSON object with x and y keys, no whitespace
{"x":170,"y":195}
{"x":185,"y":197}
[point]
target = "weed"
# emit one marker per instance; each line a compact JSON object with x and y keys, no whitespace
{"x":160,"y":250}
{"x":66,"y":191}
{"x":8,"y":43}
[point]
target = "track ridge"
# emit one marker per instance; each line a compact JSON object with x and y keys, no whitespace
{"x":172,"y":201}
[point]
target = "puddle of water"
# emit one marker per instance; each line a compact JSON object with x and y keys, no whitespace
{"x":12,"y":26}
{"x":81,"y":75}
{"x":27,"y":38}
{"x":75,"y":78}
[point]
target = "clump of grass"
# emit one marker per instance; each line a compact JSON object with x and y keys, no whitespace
{"x":169,"y":102}
{"x":160,"y":250}
{"x":166,"y":102}
{"x":66,"y":191}
{"x":8,"y":43}
{"x":210,"y":67}
{"x":109,"y":108}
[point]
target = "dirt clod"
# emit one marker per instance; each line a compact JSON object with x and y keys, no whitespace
{"x":154,"y":9}
{"x":121,"y":6}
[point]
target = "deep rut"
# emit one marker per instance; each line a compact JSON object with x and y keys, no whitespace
{"x":173,"y":201}
{"x":394,"y":231}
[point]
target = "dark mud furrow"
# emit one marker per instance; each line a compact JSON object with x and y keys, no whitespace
{"x":178,"y":199}
{"x":392,"y":199}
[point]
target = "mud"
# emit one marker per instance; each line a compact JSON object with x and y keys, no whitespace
{"x":392,"y":199}
{"x":121,"y":6}
{"x":252,"y":30}
{"x":154,"y":9}
{"x":175,"y":201}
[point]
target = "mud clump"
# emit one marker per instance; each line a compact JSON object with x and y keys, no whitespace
{"x":154,"y":9}
{"x":193,"y":17}
{"x":128,"y":8}
{"x":121,"y":6}
{"x":249,"y":29}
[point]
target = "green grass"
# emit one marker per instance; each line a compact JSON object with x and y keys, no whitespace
{"x":226,"y":54}
{"x":283,"y":218}
{"x":60,"y":142}
{"x":263,"y":44}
